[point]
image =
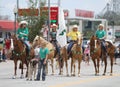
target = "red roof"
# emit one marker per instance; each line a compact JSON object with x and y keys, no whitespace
{"x":7,"y":25}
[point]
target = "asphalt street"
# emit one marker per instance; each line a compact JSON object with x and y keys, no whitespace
{"x":87,"y":78}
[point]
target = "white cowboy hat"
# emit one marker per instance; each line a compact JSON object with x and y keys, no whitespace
{"x":100,"y":25}
{"x":23,"y":22}
{"x":75,"y":26}
{"x":54,"y":25}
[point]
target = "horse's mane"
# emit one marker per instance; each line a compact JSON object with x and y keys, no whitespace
{"x":42,"y":39}
{"x":92,"y":40}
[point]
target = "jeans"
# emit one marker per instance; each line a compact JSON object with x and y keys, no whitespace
{"x":70,"y":46}
{"x":103,"y":45}
{"x":27,"y":44}
{"x":41,"y":66}
{"x":55,"y":43}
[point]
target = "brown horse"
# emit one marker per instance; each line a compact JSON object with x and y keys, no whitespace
{"x":64,"y":59}
{"x":76,"y":55}
{"x":37,"y":41}
{"x":96,"y":51}
{"x":111,"y":53}
{"x":19,"y":53}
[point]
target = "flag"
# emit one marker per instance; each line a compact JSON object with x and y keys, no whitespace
{"x":61,"y":32}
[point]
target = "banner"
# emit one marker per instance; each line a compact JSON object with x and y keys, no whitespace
{"x":61,"y":33}
{"x":84,"y":13}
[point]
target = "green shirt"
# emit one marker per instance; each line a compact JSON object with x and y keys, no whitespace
{"x":100,"y":33}
{"x":43,"y":52}
{"x":25,"y":31}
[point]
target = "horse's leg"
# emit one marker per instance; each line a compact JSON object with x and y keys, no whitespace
{"x":22,"y":69}
{"x":74,"y":68}
{"x":47,"y":68}
{"x":71,"y":66}
{"x":66,"y":66}
{"x":61,"y":67}
{"x":27,"y":65}
{"x":52,"y":61}
{"x":79,"y":61}
{"x":15,"y":68}
{"x":105,"y":62}
{"x":93,"y":59}
{"x":111,"y":60}
{"x":98,"y":61}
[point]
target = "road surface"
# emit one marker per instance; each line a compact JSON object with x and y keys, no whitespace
{"x":87,"y":78}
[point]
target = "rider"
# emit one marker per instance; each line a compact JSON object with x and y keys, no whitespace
{"x":73,"y":35}
{"x":22,"y":34}
{"x":53,"y":40}
{"x":101,"y":34}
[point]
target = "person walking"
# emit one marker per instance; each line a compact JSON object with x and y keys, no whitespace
{"x":43,"y":53}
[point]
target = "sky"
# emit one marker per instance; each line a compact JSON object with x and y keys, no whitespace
{"x":7,"y":6}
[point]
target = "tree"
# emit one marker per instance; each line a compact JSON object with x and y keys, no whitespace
{"x":34,"y":22}
{"x":111,"y":16}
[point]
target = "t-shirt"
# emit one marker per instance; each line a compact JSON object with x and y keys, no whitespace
{"x":100,"y":33}
{"x":73,"y":35}
{"x":53,"y":35}
{"x":25,"y":31}
{"x":43,"y":52}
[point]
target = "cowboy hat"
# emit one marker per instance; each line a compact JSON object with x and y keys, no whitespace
{"x":101,"y":25}
{"x":23,"y":22}
{"x":75,"y":26}
{"x":54,"y":25}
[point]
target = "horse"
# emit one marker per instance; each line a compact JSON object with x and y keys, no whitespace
{"x":76,"y":55}
{"x":64,"y":59}
{"x":19,"y":53}
{"x":95,"y":52}
{"x":111,"y":53}
{"x":95,"y":46}
{"x":37,"y":41}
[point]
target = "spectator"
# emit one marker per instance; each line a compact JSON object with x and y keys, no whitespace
{"x":42,"y":62}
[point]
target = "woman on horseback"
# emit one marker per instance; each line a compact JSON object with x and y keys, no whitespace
{"x":101,"y":34}
{"x":53,"y":40}
{"x":73,"y":35}
{"x":22,"y":34}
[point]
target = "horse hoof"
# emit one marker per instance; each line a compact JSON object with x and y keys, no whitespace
{"x":21,"y":77}
{"x":52,"y":74}
{"x":78,"y":75}
{"x":67,"y":75}
{"x":59,"y":74}
{"x":72,"y":74}
{"x":110,"y":74}
{"x":103,"y":74}
{"x":14,"y":77}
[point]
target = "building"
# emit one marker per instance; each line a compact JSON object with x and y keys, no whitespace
{"x":7,"y":27}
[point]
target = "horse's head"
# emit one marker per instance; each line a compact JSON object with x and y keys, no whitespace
{"x":36,"y":41}
{"x":94,"y":41}
{"x":79,"y":40}
{"x":13,"y":38}
{"x":16,"y":43}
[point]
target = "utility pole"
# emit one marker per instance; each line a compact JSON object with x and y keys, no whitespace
{"x":48,"y":36}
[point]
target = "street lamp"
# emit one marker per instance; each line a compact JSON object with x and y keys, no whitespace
{"x":15,"y":10}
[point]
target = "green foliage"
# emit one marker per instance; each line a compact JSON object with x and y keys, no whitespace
{"x":34,"y":22}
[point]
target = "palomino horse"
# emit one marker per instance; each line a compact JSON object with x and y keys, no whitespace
{"x":76,"y":55}
{"x":63,"y":52}
{"x":19,"y":53}
{"x":64,"y":59}
{"x":97,"y":51}
{"x":37,"y":41}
